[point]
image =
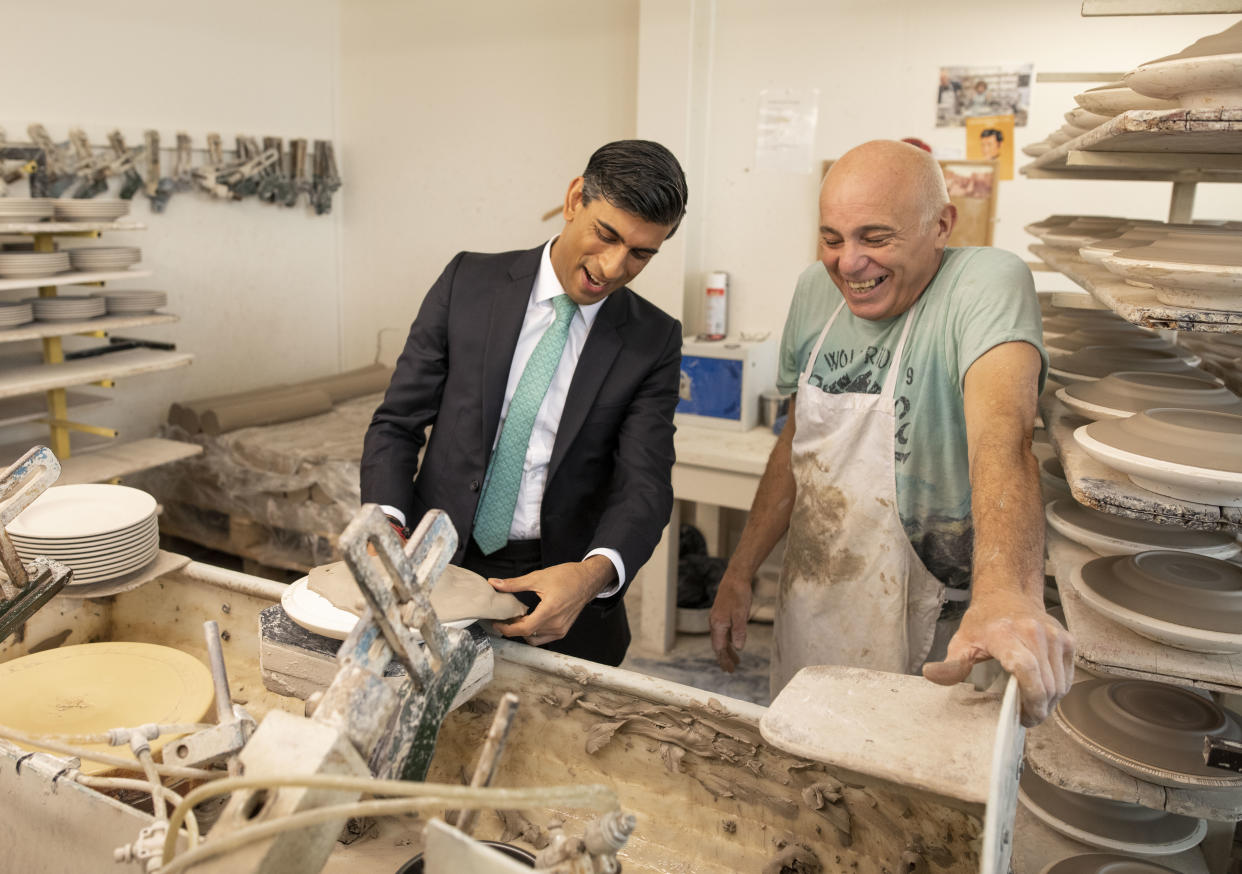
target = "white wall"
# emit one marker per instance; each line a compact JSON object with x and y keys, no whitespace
{"x":256,"y":286}
{"x":875,"y":65}
{"x":465,"y":121}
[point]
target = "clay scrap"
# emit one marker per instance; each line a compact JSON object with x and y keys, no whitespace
{"x":458,"y":594}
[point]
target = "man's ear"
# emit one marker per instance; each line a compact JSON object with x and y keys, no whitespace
{"x":945,"y":224}
{"x":573,"y":199}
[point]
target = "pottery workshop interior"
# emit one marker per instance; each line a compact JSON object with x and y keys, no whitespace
{"x":690,"y":436}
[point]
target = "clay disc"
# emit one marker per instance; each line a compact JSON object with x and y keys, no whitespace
{"x":92,"y":687}
{"x":458,"y":594}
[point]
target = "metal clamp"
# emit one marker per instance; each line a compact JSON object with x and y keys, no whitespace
{"x":24,"y":589}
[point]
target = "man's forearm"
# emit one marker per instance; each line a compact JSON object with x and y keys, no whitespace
{"x":771,"y":509}
{"x":1008,"y":520}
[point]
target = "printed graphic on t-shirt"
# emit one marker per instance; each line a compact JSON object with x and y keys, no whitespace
{"x":870,"y":381}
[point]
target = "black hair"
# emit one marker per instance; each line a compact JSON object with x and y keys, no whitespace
{"x":639,"y":176}
{"x":992,"y":132}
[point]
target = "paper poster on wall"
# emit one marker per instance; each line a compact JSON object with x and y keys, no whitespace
{"x":990,"y":137}
{"x":966,"y":92}
{"x":785,"y":132}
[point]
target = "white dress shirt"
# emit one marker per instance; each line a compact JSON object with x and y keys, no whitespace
{"x":540,"y":314}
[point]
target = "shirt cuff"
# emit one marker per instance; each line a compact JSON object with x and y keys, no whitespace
{"x":394,"y":513}
{"x":615,"y":557}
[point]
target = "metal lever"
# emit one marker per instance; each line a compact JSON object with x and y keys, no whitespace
{"x":24,"y":589}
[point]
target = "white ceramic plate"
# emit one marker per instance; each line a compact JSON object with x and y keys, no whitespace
{"x":1197,"y":484}
{"x":316,"y":613}
{"x":1168,"y":633}
{"x":89,"y":546}
{"x":83,"y":510}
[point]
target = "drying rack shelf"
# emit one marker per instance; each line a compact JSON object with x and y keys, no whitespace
{"x":72,"y":277}
{"x":45,"y":377}
{"x":39,"y":330}
{"x":67,"y":228}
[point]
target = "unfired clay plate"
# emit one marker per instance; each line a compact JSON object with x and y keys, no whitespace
{"x":1188,"y":454}
{"x":1205,"y":75}
{"x":1116,"y":98}
{"x":316,"y":613}
{"x":1096,"y":362}
{"x":1106,"y":534}
{"x":1105,"y":863}
{"x":1122,"y":335}
{"x":1188,"y":601}
{"x":1122,"y":394}
{"x":1151,"y":730}
{"x":1108,"y":824}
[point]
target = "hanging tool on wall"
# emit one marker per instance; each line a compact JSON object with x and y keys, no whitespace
{"x":124,"y":163}
{"x":326,"y":179}
{"x":56,"y":162}
{"x":274,"y":186}
{"x":205,"y":175}
{"x":91,"y":169}
{"x":242,"y":176}
{"x":9,"y":175}
{"x":157,"y":188}
{"x":183,"y":173}
{"x":297,"y":162}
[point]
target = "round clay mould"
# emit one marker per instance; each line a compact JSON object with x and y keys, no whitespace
{"x":1108,"y":824}
{"x":1205,"y":75}
{"x":1106,"y":534}
{"x":1105,"y":863}
{"x":1117,"y":97}
{"x":1194,"y":455}
{"x":1150,"y":730}
{"x":1198,"y":271}
{"x":1122,"y":394}
{"x":1096,"y":362}
{"x":1188,"y":601}
{"x":1130,"y":337}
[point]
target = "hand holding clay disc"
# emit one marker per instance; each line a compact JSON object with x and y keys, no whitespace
{"x":458,"y":594}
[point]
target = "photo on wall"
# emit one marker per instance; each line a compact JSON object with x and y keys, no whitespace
{"x":967,"y":92}
{"x":990,"y":138}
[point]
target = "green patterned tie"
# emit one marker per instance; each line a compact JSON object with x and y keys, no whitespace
{"x":494,"y":517}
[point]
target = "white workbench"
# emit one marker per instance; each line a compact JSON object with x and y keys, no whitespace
{"x":715,"y":467}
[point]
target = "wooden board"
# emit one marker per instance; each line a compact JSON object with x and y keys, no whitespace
{"x":1134,"y":304}
{"x":1107,"y":648}
{"x":123,"y":459}
{"x":1064,"y":762}
{"x":73,"y":277}
{"x":31,"y":408}
{"x":38,"y":330}
{"x":31,"y":378}
{"x":1102,"y":488}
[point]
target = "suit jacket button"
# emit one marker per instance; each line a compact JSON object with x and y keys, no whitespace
{"x":474,"y":485}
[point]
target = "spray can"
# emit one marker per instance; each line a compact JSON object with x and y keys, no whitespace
{"x":715,"y":306}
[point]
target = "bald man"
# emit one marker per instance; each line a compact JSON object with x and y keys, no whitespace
{"x":904,"y":477}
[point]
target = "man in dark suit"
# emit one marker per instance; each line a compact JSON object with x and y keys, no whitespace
{"x":552,"y":388}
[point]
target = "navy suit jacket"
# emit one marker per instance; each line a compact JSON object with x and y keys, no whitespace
{"x":609,"y":478}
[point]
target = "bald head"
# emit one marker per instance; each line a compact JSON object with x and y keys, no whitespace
{"x":899,"y":175}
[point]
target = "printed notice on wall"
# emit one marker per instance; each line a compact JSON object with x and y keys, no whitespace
{"x":785,"y":135}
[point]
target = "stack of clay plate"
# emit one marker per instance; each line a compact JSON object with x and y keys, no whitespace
{"x":1150,"y":730}
{"x":1108,"y":824}
{"x":68,"y":307}
{"x":1120,"y":335}
{"x":1082,"y":232}
{"x":1105,"y":863}
{"x":25,"y":209}
{"x":15,"y":314}
{"x":1142,"y":234}
{"x":1181,"y":599}
{"x":101,"y":531}
{"x":1116,"y":98}
{"x":1205,"y":75}
{"x":1096,"y":362}
{"x":134,"y":303}
{"x":1191,"y":455}
{"x":1122,"y":394}
{"x":1053,"y":224}
{"x":105,"y":258}
{"x":91,"y":210}
{"x":29,"y":265}
{"x":1199,"y":271}
{"x":1106,"y":534}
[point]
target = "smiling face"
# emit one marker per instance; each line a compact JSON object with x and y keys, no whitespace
{"x":602,"y":247}
{"x":884,"y":223}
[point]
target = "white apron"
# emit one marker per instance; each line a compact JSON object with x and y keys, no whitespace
{"x":853,"y":591}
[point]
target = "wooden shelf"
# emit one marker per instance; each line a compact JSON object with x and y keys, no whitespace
{"x":1181,"y":145}
{"x":1158,"y":7}
{"x":39,"y":330}
{"x":1064,"y":762}
{"x":121,"y":459}
{"x":1102,"y":488}
{"x":1107,"y":648}
{"x":115,"y":365}
{"x":73,"y":277}
{"x":69,"y":228}
{"x":32,"y":407}
{"x":1134,"y":304}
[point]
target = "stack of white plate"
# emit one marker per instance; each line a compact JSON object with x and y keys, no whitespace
{"x":91,"y":210}
{"x":24,"y":265}
{"x":68,"y":307}
{"x":134,"y":303}
{"x":105,"y":257}
{"x":101,"y":531}
{"x":14,"y":314}
{"x":25,"y":209}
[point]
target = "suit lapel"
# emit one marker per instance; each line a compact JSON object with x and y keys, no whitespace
{"x":602,"y":346}
{"x":508,"y":310}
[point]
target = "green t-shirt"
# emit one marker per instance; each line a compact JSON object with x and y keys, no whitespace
{"x":979,"y":298}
